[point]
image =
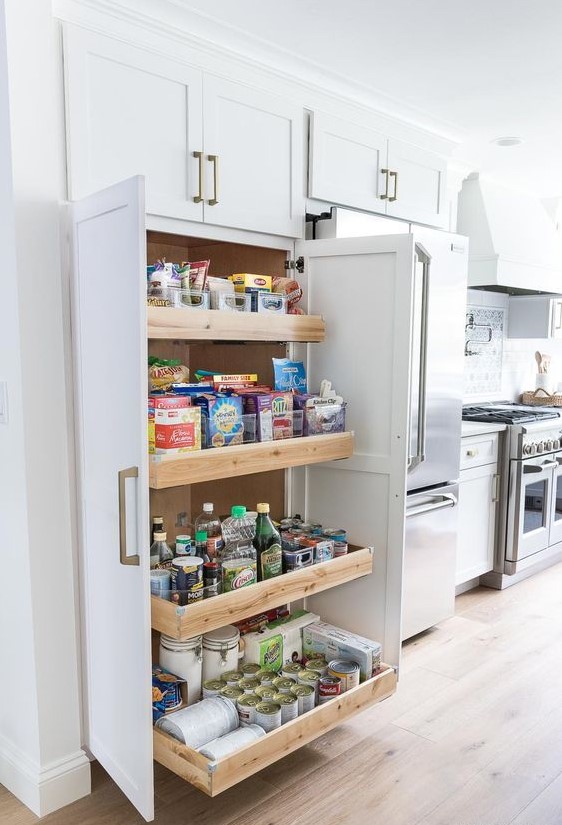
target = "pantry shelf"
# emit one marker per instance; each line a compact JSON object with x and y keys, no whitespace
{"x":206,"y":615}
{"x":167,"y":323}
{"x":245,"y":459}
{"x":215,"y":777}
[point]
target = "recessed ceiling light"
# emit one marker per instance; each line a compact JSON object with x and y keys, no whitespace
{"x":508,"y":141}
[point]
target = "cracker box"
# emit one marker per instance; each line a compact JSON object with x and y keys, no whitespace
{"x":177,"y":425}
{"x":322,"y":640}
{"x":282,"y":414}
{"x":223,"y":419}
{"x":259,"y":404}
{"x":244,"y":282}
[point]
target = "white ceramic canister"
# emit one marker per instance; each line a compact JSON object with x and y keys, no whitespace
{"x":220,"y":651}
{"x":184,"y":660}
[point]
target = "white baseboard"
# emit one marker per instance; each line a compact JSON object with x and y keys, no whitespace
{"x":466,"y":586}
{"x":44,"y":789}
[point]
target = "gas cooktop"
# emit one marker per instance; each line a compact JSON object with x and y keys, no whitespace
{"x":507,"y":412}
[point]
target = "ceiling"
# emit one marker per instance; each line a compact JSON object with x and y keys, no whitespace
{"x":477,"y":70}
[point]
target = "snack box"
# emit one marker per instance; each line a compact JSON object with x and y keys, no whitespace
{"x":177,"y":425}
{"x":244,"y":282}
{"x":259,"y":404}
{"x":224,"y":419}
{"x":282,"y":414}
{"x":279,"y":643}
{"x":322,"y":640}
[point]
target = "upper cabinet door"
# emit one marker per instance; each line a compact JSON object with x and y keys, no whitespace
{"x":345,"y":163}
{"x":132,"y":112}
{"x":109,"y":328}
{"x":253,"y":158}
{"x":417,"y":190}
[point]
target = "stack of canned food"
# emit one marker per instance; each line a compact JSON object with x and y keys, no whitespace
{"x":306,"y":543}
{"x":269,"y":699}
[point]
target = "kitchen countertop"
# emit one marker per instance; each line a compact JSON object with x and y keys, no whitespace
{"x":481,"y":428}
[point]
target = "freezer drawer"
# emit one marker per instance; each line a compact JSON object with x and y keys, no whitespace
{"x":429,"y":559}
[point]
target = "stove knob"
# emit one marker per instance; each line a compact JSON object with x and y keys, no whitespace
{"x":540,"y":447}
{"x":526,"y":449}
{"x":549,"y":444}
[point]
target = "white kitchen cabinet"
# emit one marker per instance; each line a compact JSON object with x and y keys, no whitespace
{"x":479,"y":489}
{"x":210,"y":149}
{"x":354,"y":166}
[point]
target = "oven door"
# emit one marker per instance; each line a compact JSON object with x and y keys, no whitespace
{"x":556,"y":508}
{"x":531,"y":492}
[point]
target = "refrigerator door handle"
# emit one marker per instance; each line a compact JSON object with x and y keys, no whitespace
{"x":419,"y":457}
{"x":446,"y":500}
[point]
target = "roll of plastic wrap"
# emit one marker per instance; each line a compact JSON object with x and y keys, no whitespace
{"x":201,"y":723}
{"x":225,"y":745}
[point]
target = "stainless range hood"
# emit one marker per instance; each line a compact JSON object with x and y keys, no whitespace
{"x":514,"y":246}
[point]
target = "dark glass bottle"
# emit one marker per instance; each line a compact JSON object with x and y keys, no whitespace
{"x":267,"y":542}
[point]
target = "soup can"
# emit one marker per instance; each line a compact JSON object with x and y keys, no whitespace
{"x":348,"y":672}
{"x":187,"y":579}
{"x":268,"y":716}
{"x":251,"y":669}
{"x":283,"y":684}
{"x":247,"y":708}
{"x":309,"y":677}
{"x":183,"y":546}
{"x":232,"y":677}
{"x":336,"y":534}
{"x":212,"y":687}
{"x":306,"y":696}
{"x":265,"y":677}
{"x":248,"y":684}
{"x":328,"y":688}
{"x":319,"y":665}
{"x":266,"y":692}
{"x":340,"y":548}
{"x":160,"y":583}
{"x":291,"y":670}
{"x":232,"y":693}
{"x":289,"y":706}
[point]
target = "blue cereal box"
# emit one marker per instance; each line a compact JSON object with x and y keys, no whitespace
{"x":224,"y":419}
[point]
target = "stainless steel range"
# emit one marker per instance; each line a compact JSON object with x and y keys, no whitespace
{"x":530,"y":524}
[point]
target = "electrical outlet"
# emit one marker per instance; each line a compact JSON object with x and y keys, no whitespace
{"x":3,"y":402}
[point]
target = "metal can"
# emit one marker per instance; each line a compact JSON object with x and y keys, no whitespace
{"x":247,"y":704}
{"x":309,"y":677}
{"x":283,"y":684}
{"x":160,"y":583}
{"x":265,"y":677}
{"x":211,"y":579}
{"x":187,"y":579}
{"x":340,"y":548}
{"x":232,"y":693}
{"x":268,"y":715}
{"x":266,"y":693}
{"x":248,"y":684}
{"x":212,"y":687}
{"x":291,"y":669}
{"x":316,"y":528}
{"x":328,"y":688}
{"x":306,"y":696}
{"x":319,"y":665}
{"x":251,"y":669}
{"x":336,"y":534}
{"x":232,"y":677}
{"x":183,"y":546}
{"x":289,"y":706}
{"x":348,"y":672}
{"x":297,"y":559}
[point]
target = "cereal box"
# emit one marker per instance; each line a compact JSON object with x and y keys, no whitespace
{"x":177,"y":425}
{"x":224,"y":419}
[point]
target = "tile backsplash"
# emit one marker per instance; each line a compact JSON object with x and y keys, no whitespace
{"x":484,"y":333}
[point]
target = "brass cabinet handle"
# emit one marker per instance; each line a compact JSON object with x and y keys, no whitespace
{"x":123,"y":475}
{"x":215,"y":161}
{"x":395,"y":176}
{"x":496,"y":488}
{"x":200,"y":197}
{"x":385,"y":196}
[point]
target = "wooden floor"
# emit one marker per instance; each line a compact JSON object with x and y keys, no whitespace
{"x":473,"y":737}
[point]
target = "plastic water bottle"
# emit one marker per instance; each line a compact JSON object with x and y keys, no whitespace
{"x":211,"y":524}
{"x":239,"y":558}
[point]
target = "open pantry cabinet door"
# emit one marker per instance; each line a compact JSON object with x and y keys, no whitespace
{"x":363,"y":289}
{"x":109,"y":343}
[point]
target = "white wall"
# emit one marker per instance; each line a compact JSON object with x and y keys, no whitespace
{"x":38,"y":632}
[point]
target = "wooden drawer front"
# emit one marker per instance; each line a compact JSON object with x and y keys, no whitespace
{"x":215,"y":777}
{"x":478,"y":450}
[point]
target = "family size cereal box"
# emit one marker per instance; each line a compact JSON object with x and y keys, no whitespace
{"x":224,"y":419}
{"x":177,"y":425}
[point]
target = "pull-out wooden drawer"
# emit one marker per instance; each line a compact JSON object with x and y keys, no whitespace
{"x":215,"y":777}
{"x":479,"y":449}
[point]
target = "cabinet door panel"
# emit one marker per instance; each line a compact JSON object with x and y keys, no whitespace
{"x":109,"y":329}
{"x":477,"y":522}
{"x":420,"y":184}
{"x":345,"y":163}
{"x":257,"y":140}
{"x":130,"y":112}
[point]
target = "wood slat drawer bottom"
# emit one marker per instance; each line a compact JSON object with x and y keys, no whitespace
{"x":215,"y":777}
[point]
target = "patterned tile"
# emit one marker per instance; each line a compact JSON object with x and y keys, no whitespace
{"x":483,"y":349}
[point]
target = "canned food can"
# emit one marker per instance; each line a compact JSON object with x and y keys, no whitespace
{"x":160,"y":583}
{"x":212,"y":687}
{"x":340,"y":548}
{"x":336,"y":534}
{"x":306,"y":696}
{"x":248,"y":684}
{"x":283,"y":684}
{"x":183,"y":546}
{"x":319,"y":665}
{"x":211,"y":579}
{"x":295,"y":560}
{"x":328,"y":688}
{"x":309,"y":677}
{"x":266,"y":693}
{"x":247,"y":704}
{"x":289,"y":706}
{"x":232,"y":693}
{"x":348,"y":672}
{"x":316,"y":528}
{"x":251,"y":669}
{"x":291,"y":669}
{"x":186,"y":579}
{"x":232,"y":677}
{"x":265,"y":677}
{"x":268,"y":716}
